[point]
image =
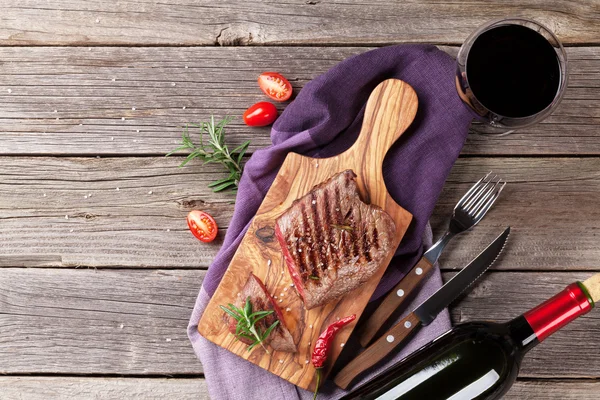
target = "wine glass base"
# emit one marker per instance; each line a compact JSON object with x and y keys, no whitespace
{"x":490,"y":130}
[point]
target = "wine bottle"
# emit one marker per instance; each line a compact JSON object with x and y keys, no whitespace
{"x":479,"y":360}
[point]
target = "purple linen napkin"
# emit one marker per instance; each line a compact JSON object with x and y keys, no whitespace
{"x":322,"y":121}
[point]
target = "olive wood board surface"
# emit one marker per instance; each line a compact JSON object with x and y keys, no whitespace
{"x":389,"y":112}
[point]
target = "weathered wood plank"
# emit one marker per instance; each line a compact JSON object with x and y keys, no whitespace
{"x":501,"y":296}
{"x":551,"y":204}
{"x":187,"y":22}
{"x":81,"y":321}
{"x":91,"y":91}
{"x":105,"y":212}
{"x":554,"y":390}
{"x":47,"y":388}
{"x":50,"y":388}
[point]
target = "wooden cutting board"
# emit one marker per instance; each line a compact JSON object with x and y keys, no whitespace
{"x":390,"y":109}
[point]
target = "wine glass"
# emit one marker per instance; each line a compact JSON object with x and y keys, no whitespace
{"x":512,"y":72}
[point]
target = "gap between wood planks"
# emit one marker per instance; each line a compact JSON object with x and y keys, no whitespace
{"x":55,"y":223}
{"x":155,"y":94}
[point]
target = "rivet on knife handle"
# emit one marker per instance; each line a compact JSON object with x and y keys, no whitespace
{"x":393,"y":300}
{"x":378,"y":350}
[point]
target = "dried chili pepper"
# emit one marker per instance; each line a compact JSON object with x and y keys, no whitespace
{"x":323,"y":343}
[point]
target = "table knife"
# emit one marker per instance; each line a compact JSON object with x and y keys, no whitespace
{"x":469,"y":210}
{"x":423,"y":315}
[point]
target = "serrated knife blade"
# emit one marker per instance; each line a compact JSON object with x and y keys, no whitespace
{"x":422,"y":315}
{"x":431,"y":307}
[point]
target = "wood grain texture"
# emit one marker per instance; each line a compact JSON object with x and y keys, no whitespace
{"x":90,"y":105}
{"x":230,"y":22}
{"x":554,"y":390}
{"x":120,"y":212}
{"x":541,"y":202}
{"x":48,"y":388}
{"x":390,"y":110}
{"x":131,"y":228}
{"x":501,"y":296}
{"x":69,"y":321}
{"x":378,"y":350}
{"x":80,"y":388}
{"x":396,"y":297}
{"x":83,"y":321}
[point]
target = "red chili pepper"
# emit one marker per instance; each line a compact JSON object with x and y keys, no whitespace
{"x":319,"y":355}
{"x":323,"y":343}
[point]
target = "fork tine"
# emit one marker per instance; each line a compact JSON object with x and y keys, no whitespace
{"x":470,"y":191}
{"x":490,"y":202}
{"x":473,"y":191}
{"x":483,"y":198}
{"x":481,"y":192}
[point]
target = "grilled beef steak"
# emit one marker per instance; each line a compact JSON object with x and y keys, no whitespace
{"x":333,"y":242}
{"x":280,"y":338}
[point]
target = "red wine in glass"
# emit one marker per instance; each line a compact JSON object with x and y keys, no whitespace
{"x":512,"y":72}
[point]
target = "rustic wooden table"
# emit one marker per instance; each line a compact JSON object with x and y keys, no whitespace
{"x":99,"y":272}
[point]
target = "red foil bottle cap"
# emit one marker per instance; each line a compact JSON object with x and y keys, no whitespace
{"x":558,"y":311}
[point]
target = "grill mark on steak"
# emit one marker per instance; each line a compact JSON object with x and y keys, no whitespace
{"x":295,"y":254}
{"x":338,"y":242}
{"x":302,"y":264}
{"x":309,"y":232}
{"x":317,"y":235}
{"x":354,"y":241}
{"x":280,"y":337}
{"x":375,"y":237}
{"x":366,"y":245}
{"x":331,"y":217}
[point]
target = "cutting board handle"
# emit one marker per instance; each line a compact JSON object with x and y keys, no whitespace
{"x":390,"y":110}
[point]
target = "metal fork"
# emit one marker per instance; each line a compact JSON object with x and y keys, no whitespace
{"x":469,"y":210}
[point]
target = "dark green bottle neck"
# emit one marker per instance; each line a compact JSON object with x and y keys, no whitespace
{"x":522,"y":334}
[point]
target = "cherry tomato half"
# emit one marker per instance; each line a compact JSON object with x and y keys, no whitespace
{"x":202,"y":225}
{"x":275,"y":86}
{"x":260,"y":114}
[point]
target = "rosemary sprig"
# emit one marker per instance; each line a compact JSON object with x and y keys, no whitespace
{"x":246,"y":323}
{"x":213,"y":149}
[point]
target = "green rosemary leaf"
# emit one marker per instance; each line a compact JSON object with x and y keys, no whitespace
{"x":246,"y":326}
{"x":313,"y":277}
{"x":238,"y":329}
{"x":236,"y":309}
{"x":269,"y":330}
{"x":248,"y":307}
{"x":213,"y":149}
{"x":242,"y":151}
{"x":260,"y":313}
{"x":220,"y":181}
{"x":230,"y":312}
{"x":242,"y":147}
{"x":223,"y":186}
{"x":182,"y":147}
{"x":259,"y":318}
{"x":188,"y":159}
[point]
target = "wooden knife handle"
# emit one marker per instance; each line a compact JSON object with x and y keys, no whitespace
{"x":394,"y":299}
{"x":378,"y":350}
